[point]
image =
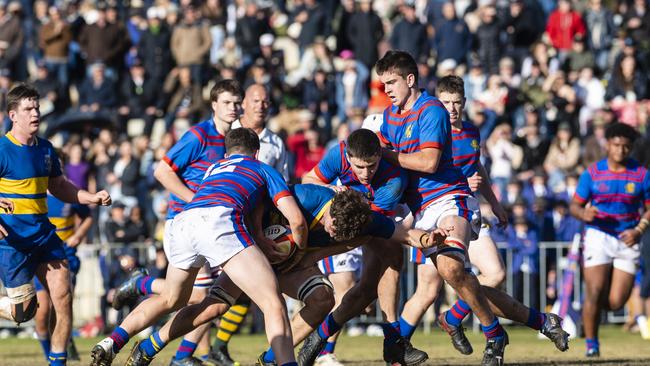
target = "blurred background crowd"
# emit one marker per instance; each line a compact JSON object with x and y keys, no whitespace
{"x":121,"y":80}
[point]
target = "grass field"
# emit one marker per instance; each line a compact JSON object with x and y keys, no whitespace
{"x":617,"y":348}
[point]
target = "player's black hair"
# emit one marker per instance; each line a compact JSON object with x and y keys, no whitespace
{"x":351,"y":213}
{"x":18,"y":93}
{"x":399,"y":62}
{"x":227,"y":85}
{"x":451,"y":84}
{"x":621,"y":130}
{"x":363,"y":144}
{"x":242,"y":141}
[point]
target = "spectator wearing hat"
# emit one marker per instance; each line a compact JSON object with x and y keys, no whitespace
{"x":351,"y":81}
{"x":249,"y":29}
{"x":153,"y":48}
{"x":191,"y":41}
{"x":365,"y":30}
{"x":524,"y":243}
{"x":599,"y":21}
{"x":563,"y":155}
{"x":103,"y":42}
{"x":409,"y":34}
{"x":563,"y":25}
{"x":54,"y":39}
{"x":139,"y":99}
{"x":453,"y":39}
{"x":12,"y":39}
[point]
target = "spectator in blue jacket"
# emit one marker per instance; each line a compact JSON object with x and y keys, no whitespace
{"x":351,"y":90}
{"x":523,"y":241}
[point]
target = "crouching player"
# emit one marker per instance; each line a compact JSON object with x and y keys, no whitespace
{"x":211,"y":227}
{"x":616,"y":189}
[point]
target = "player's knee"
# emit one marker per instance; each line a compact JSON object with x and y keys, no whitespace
{"x":451,"y":270}
{"x":24,"y":303}
{"x":494,"y":279}
{"x":615,"y":303}
{"x":317,"y":291}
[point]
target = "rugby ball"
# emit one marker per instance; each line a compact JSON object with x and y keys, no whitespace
{"x":281,"y":236}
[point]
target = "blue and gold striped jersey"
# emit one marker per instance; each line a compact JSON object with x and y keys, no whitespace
{"x":63,"y":215}
{"x":25,"y":172}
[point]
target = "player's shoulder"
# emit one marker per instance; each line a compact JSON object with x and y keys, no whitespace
{"x":470,"y":128}
{"x":311,"y":192}
{"x":44,"y":143}
{"x":203,"y":130}
{"x":429,"y":103}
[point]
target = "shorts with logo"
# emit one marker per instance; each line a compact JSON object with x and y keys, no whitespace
{"x":345,"y":262}
{"x":603,"y":248}
{"x":212,"y":234}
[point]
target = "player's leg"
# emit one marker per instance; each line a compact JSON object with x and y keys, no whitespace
{"x":342,"y":282}
{"x":17,"y":271}
{"x":228,"y":325}
{"x":310,"y":286}
{"x":596,"y":285}
{"x":623,"y":276}
{"x":55,"y":276}
{"x":262,"y":287}
{"x":42,"y":318}
{"x":426,"y":292}
{"x":450,"y":262}
{"x":388,"y":289}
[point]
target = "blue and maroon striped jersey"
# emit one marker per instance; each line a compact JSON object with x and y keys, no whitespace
{"x":191,"y":156}
{"x":384,"y":191}
{"x":239,"y":182}
{"x":426,"y":125}
{"x":618,"y":196}
{"x":466,"y":148}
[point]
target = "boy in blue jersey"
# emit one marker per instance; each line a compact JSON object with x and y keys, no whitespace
{"x":211,"y":228}
{"x":29,"y":246}
{"x":299,"y":277}
{"x":180,"y":172}
{"x":417,"y":132}
{"x":608,"y":199}
{"x":63,"y":216}
{"x":357,"y":164}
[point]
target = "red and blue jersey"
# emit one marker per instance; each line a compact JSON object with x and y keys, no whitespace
{"x":384,"y":191}
{"x":618,"y":196}
{"x":426,"y":125}
{"x":191,"y":156}
{"x":239,"y":182}
{"x":466,"y":148}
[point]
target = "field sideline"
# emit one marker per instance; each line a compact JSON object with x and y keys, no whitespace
{"x":617,"y":348}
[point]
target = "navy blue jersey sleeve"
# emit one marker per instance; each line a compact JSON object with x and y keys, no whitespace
{"x":330,"y":166}
{"x":380,"y":226}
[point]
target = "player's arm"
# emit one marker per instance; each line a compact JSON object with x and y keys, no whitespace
{"x":172,"y":182}
{"x":290,"y":210}
{"x":633,"y":236}
{"x":578,"y":207}
{"x":8,"y":207}
{"x":419,"y":238}
{"x":63,"y":189}
{"x":425,"y":160}
{"x":485,"y":188}
{"x":82,"y":229}
{"x":257,"y":230}
{"x":326,"y":171}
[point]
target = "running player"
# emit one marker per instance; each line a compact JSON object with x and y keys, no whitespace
{"x":181,"y":172}
{"x":357,"y":164}
{"x":609,"y":197}
{"x":482,"y":251}
{"x":64,"y":216}
{"x":29,"y":246}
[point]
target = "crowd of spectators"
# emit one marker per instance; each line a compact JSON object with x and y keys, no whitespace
{"x":543,"y":80}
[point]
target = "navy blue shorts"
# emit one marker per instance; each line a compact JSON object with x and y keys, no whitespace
{"x":18,"y":266}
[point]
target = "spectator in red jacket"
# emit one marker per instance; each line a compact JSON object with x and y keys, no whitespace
{"x":563,"y":24}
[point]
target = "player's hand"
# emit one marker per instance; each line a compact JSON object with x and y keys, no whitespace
{"x":3,"y":232}
{"x":102,"y":198}
{"x":73,"y":241}
{"x":630,"y":237}
{"x":338,"y":188}
{"x":438,"y":236}
{"x":589,"y":214}
{"x":501,"y":215}
{"x":270,"y":250}
{"x":474,"y":181}
{"x":6,"y":205}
